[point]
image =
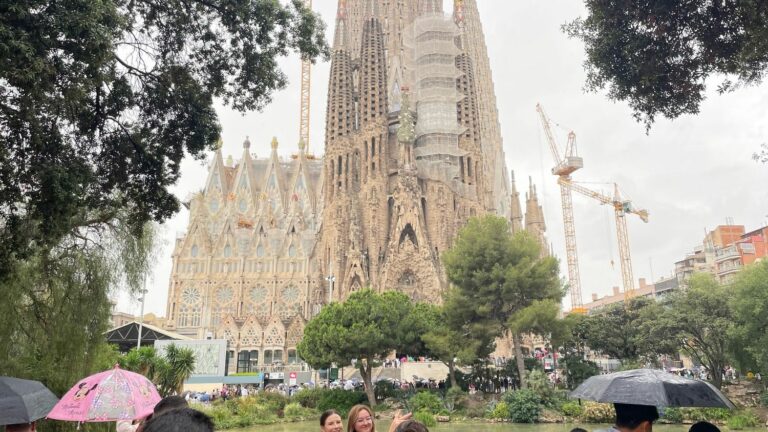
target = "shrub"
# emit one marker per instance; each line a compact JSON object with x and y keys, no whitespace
{"x":426,"y":418}
{"x":500,"y":411}
{"x":273,"y":401}
{"x":572,"y":409}
{"x":673,"y":415}
{"x":454,"y":398}
{"x":340,"y":400}
{"x":706,"y":414}
{"x":744,"y":419}
{"x":294,"y":410}
{"x":425,"y":401}
{"x":539,"y":383}
{"x":595,"y":412}
{"x":307,"y":398}
{"x":764,"y":398}
{"x":523,"y":406}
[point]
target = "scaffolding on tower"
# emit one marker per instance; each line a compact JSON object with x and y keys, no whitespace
{"x":306,"y":69}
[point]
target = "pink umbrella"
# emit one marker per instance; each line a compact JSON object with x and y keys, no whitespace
{"x":112,"y":395}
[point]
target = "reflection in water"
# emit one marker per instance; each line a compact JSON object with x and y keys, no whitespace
{"x":463,"y":427}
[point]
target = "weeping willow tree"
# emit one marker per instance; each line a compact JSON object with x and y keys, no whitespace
{"x":56,"y":304}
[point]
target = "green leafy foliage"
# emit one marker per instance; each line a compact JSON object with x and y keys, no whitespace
{"x":426,"y":401}
{"x":595,"y":412}
{"x":764,"y":398}
{"x":749,"y":336}
{"x":572,"y":409}
{"x":254,"y":410}
{"x":698,"y":319}
{"x":500,"y":411}
{"x":672,"y":415}
{"x":539,"y":384}
{"x":340,"y":400}
{"x":56,"y":308}
{"x":167,"y":371}
{"x":742,"y":420}
{"x":367,"y":327}
{"x":294,"y":410}
{"x":425,"y":417}
{"x":101,"y":100}
{"x":448,"y":344}
{"x":712,"y":415}
{"x":496,"y":275}
{"x":577,"y":370}
{"x":308,"y":397}
{"x":617,"y":331}
{"x":454,"y":398}
{"x":524,"y":406}
{"x":657,"y":56}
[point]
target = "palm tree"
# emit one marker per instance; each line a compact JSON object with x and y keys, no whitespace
{"x":179,"y":365}
{"x":168,"y":372}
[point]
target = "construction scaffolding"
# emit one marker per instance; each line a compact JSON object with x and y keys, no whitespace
{"x":431,"y":42}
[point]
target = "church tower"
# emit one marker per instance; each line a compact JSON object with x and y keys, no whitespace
{"x":405,"y":161}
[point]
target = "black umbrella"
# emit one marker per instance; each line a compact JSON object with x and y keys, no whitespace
{"x":24,"y":401}
{"x":651,"y":387}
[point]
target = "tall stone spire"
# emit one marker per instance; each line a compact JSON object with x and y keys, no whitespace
{"x":341,"y":34}
{"x":373,"y":72}
{"x":340,"y":118}
{"x":515,"y":212}
{"x":534,"y":218}
{"x":467,"y":16}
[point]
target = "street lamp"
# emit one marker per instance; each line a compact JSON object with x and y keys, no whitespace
{"x":141,"y":317}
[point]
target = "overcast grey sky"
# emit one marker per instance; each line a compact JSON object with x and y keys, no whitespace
{"x":690,"y":174}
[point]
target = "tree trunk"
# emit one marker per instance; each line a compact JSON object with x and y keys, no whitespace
{"x":365,"y":373}
{"x":516,"y":340}
{"x":716,"y":371}
{"x":452,"y":372}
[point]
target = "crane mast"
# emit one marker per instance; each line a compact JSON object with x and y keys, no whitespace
{"x":564,"y":166}
{"x":621,"y":208}
{"x":306,"y":69}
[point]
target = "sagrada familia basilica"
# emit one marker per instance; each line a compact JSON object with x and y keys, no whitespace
{"x":413,"y":149}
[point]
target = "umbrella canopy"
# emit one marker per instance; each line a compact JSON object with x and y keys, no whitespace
{"x":108,"y":396}
{"x":24,"y":401}
{"x":651,"y":387}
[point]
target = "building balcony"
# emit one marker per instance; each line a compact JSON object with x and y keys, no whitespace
{"x":728,"y":267}
{"x":727,"y":253}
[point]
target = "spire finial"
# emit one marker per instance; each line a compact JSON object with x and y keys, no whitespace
{"x":274,"y":143}
{"x":219,"y":143}
{"x":247,"y":143}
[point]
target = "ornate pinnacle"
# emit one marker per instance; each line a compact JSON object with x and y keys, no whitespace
{"x":406,"y":133}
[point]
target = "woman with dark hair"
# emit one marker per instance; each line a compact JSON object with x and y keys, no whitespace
{"x":330,"y":421}
{"x":360,"y":419}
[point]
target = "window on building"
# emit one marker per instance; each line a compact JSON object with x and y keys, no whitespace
{"x":292,"y":357}
{"x":267,"y":357}
{"x":243,"y":360}
{"x":254,"y":360}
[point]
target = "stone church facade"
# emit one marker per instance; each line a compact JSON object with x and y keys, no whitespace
{"x":412,"y":151}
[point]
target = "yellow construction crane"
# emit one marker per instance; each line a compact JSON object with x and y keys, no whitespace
{"x":621,"y":207}
{"x":306,"y":69}
{"x":564,"y":167}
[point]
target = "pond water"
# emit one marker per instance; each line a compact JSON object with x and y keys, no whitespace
{"x":382,"y":426}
